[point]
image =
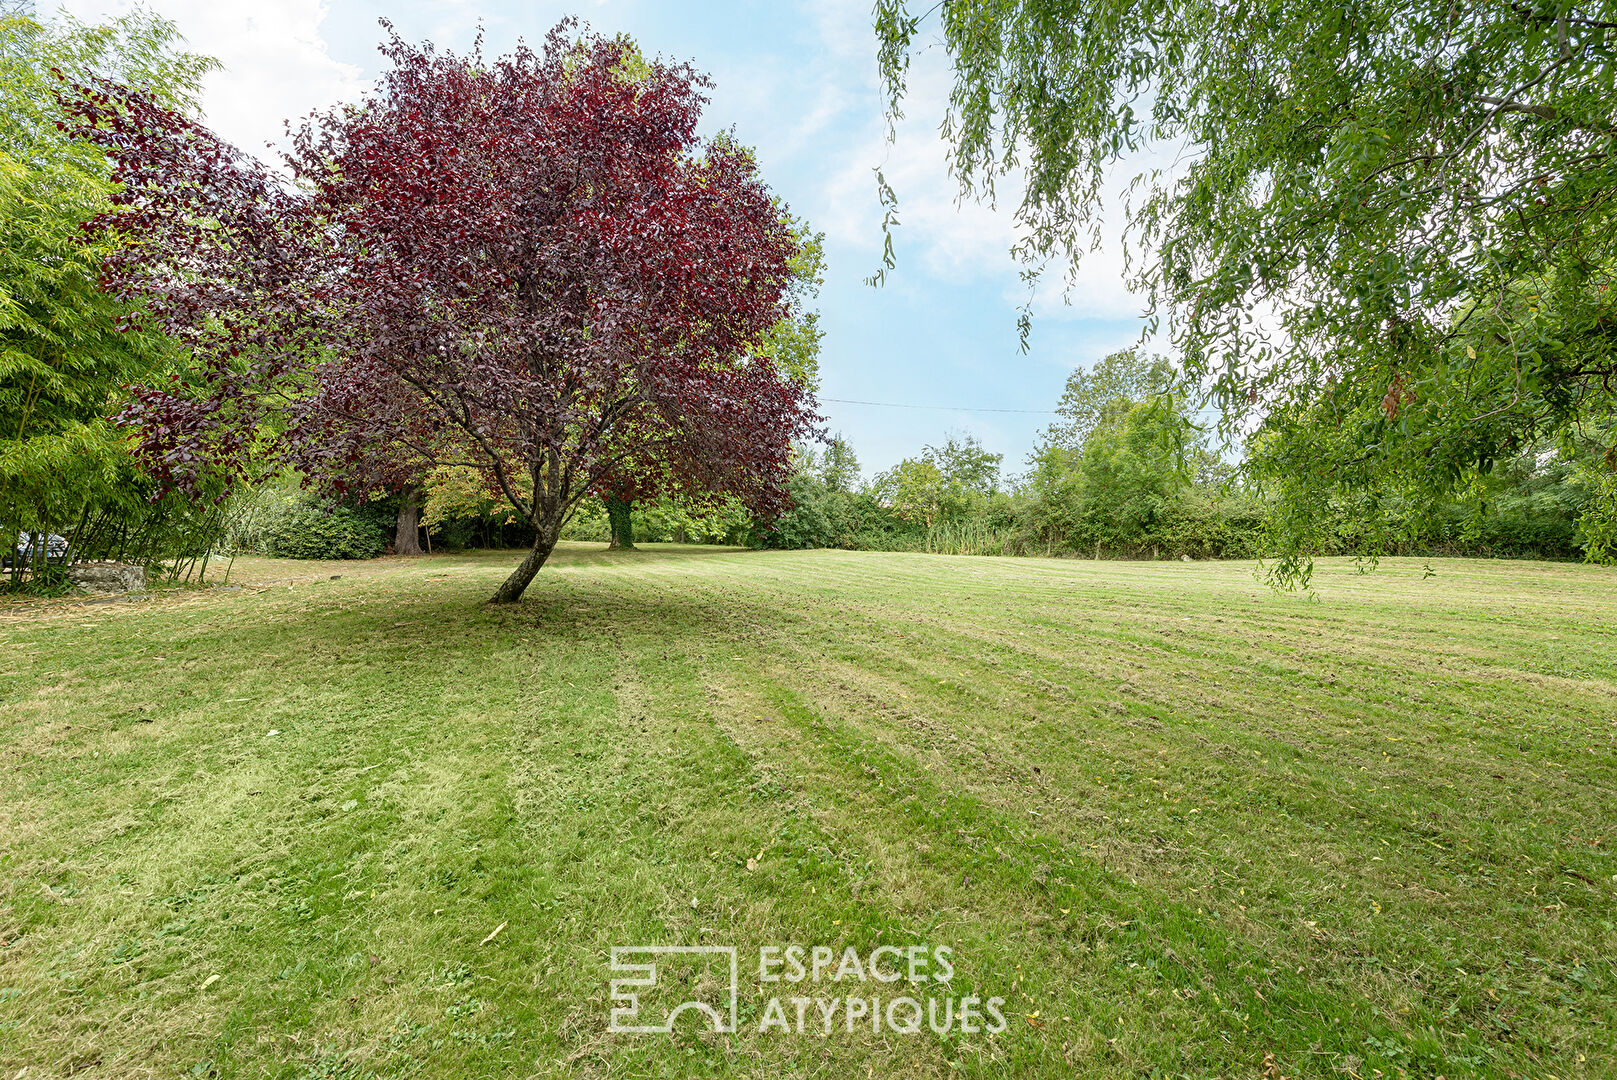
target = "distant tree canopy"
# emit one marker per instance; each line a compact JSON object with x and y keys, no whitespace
{"x":793,"y":343}
{"x":1391,"y":245}
{"x":946,"y":482}
{"x":1117,"y":464}
{"x":1126,"y":377}
{"x":1129,"y":470}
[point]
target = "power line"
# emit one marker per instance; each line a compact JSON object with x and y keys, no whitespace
{"x":942,"y":408}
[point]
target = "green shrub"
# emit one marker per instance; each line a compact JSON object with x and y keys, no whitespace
{"x":670,"y":519}
{"x":823,"y":516}
{"x":315,"y":532}
{"x":296,"y":525}
{"x":589,"y":523}
{"x":666,"y":519}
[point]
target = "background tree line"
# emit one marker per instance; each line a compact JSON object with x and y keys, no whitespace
{"x":1128,"y":470}
{"x":1422,"y":197}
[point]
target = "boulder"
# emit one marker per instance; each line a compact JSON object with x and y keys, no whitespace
{"x":107,"y":577}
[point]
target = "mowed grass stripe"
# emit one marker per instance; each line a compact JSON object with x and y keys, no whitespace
{"x":919,"y":747}
{"x":1128,"y":942}
{"x":1330,"y":808}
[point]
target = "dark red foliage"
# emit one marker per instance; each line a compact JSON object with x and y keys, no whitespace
{"x":530,"y":265}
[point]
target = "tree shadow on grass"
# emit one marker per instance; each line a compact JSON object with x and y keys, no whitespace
{"x":674,"y":614}
{"x":563,"y":610}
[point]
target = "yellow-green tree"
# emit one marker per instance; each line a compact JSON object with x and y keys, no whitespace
{"x":65,"y":353}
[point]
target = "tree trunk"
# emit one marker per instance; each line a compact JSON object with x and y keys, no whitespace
{"x":619,"y":515}
{"x":406,"y":537}
{"x":511,"y":590}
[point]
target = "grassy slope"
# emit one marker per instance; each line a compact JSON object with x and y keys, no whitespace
{"x":1184,"y":825}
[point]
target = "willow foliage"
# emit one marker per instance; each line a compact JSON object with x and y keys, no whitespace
{"x":1388,"y":245}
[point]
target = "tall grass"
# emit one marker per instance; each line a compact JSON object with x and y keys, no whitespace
{"x":968,"y":538}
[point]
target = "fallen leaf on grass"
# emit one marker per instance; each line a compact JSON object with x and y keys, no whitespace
{"x":491,"y":934}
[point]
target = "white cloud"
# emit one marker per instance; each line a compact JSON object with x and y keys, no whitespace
{"x":275,"y":63}
{"x":964,"y":240}
{"x":955,"y":240}
{"x":845,"y":29}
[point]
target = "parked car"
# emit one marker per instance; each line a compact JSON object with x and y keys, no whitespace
{"x":54,"y":549}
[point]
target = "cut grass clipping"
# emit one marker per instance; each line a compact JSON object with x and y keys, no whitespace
{"x":1179,"y":825}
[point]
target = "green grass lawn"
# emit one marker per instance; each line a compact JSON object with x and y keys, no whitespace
{"x":1182,"y":825}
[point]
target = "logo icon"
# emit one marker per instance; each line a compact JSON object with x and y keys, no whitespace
{"x":700,"y":978}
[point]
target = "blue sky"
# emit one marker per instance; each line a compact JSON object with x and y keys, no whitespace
{"x":797,"y":80}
